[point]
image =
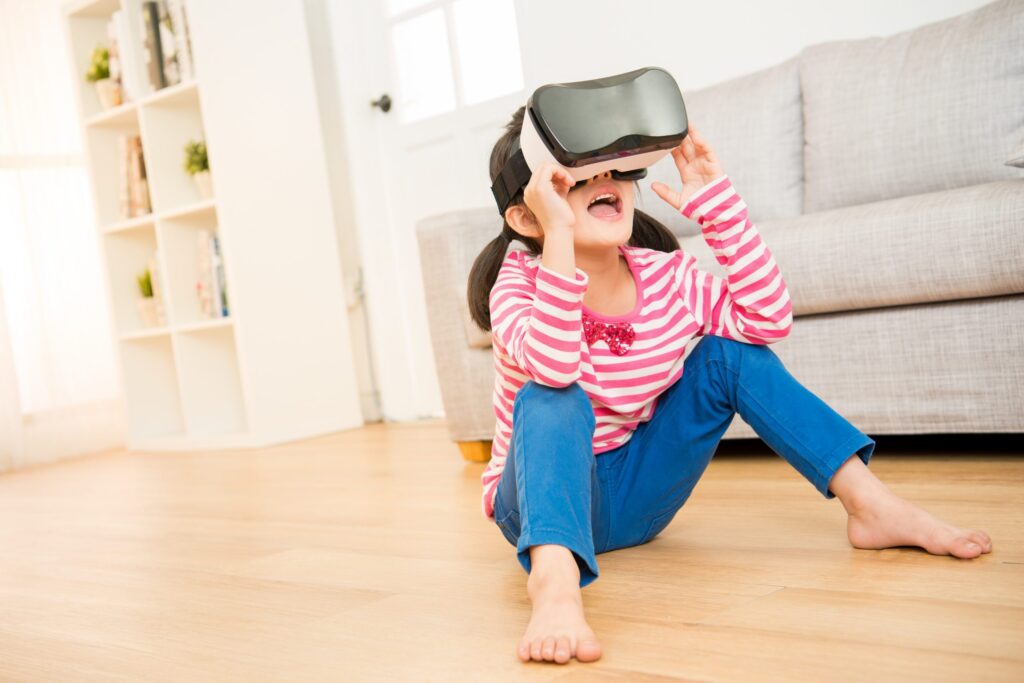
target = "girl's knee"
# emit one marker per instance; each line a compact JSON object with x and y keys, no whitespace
{"x":724,"y":347}
{"x":558,"y":401}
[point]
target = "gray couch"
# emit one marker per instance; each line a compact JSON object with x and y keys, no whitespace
{"x":884,"y":175}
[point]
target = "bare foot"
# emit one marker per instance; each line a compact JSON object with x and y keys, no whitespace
{"x":557,"y":630}
{"x":886,"y":520}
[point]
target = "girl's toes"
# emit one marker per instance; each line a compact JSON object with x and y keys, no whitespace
{"x":535,"y":649}
{"x":547,"y":650}
{"x":982,"y":539}
{"x":965,"y":547}
{"x":562,"y":652}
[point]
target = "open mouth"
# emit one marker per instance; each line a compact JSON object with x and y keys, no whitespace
{"x":606,"y":207}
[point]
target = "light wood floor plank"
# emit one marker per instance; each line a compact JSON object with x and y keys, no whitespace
{"x":363,"y":556}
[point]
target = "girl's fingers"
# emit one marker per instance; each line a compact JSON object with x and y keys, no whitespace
{"x":666,"y":193}
{"x":684,"y":154}
{"x":700,"y":143}
{"x":689,"y":151}
{"x":677,"y":156}
{"x":695,"y":135}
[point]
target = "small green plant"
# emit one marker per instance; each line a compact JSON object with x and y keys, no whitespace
{"x":100,"y":66}
{"x":195,"y":157}
{"x":145,"y":280}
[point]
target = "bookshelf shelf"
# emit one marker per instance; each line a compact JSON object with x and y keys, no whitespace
{"x":245,"y":348}
{"x":205,"y":325}
{"x":181,"y":94}
{"x":130,"y":224}
{"x":122,"y":115}
{"x":146,"y":333}
{"x":202,"y":206}
{"x":91,"y":8}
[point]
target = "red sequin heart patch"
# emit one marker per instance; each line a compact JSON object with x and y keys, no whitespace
{"x":619,"y":335}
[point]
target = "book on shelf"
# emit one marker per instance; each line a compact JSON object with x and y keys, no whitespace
{"x":134,"y":186}
{"x":121,"y":33}
{"x":166,"y":42}
{"x":114,"y":52}
{"x":183,"y":40}
{"x":211,"y":286}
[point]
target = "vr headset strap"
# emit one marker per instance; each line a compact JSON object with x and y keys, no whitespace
{"x":512,"y":178}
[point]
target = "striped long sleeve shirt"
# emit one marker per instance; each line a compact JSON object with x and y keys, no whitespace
{"x":537,"y":323}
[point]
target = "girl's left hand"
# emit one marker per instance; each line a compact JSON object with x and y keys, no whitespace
{"x":697,"y":166}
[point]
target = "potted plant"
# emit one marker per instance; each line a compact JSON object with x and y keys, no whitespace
{"x":198,"y":166}
{"x":107,"y":89}
{"x":147,"y":302}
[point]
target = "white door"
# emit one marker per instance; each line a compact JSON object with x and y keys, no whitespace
{"x":452,"y":71}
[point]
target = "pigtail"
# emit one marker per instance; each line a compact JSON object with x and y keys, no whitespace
{"x":482,"y":277}
{"x":650,"y":233}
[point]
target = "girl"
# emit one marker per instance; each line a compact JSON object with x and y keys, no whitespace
{"x":589,"y":328}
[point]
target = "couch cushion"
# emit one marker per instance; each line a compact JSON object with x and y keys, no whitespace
{"x":933,"y":108}
{"x":939,"y":246}
{"x":755,"y":126}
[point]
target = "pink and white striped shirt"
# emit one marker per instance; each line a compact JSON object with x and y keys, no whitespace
{"x":537,"y":323}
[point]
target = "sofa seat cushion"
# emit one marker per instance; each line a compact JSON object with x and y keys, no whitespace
{"x":755,"y":125}
{"x":938,"y":246}
{"x":933,"y":108}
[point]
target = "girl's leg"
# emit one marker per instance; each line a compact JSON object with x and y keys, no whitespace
{"x":549,"y":492}
{"x":721,"y":377}
{"x":550,"y":506}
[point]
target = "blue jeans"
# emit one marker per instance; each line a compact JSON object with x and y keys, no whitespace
{"x":555,"y":490}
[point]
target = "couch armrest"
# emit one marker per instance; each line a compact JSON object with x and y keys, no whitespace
{"x":448,"y":244}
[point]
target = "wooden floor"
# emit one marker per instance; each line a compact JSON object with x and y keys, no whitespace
{"x":364,"y":556}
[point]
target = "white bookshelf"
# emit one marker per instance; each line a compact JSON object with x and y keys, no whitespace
{"x":279,"y":365}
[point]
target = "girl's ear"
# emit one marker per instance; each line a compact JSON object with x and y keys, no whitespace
{"x":522,"y":220}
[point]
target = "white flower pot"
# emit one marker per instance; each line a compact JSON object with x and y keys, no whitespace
{"x":148,"y":311}
{"x":109,"y":92}
{"x":204,"y":184}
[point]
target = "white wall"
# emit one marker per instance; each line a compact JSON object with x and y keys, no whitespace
{"x":577,"y":39}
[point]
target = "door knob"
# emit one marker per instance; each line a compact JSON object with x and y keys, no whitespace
{"x":384,"y":103}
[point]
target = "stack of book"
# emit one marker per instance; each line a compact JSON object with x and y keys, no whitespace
{"x":155,"y":35}
{"x":167,"y":47}
{"x":211,"y":287}
{"x":134,"y":188}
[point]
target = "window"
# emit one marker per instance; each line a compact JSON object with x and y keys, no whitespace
{"x":58,"y":320}
{"x":451,"y":54}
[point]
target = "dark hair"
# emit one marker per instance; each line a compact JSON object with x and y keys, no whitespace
{"x":647,"y":233}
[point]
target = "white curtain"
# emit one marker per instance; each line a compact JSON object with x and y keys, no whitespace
{"x":55,"y":330}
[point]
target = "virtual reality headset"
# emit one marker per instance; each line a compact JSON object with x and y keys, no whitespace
{"x":621,"y":123}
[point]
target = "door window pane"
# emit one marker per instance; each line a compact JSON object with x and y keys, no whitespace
{"x":423,"y":66}
{"x":487,"y":40}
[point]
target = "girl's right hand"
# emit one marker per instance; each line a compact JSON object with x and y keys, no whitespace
{"x":546,"y":196}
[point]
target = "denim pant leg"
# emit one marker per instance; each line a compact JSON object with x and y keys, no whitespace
{"x":549,"y":491}
{"x":667,"y":455}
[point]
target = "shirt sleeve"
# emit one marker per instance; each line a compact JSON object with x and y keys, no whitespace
{"x":539,"y":322}
{"x":751,"y":304}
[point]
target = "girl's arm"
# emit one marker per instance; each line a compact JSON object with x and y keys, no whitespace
{"x":752,"y":303}
{"x":540,"y":326}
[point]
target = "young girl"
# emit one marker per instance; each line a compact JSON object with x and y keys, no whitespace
{"x":589,"y":328}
